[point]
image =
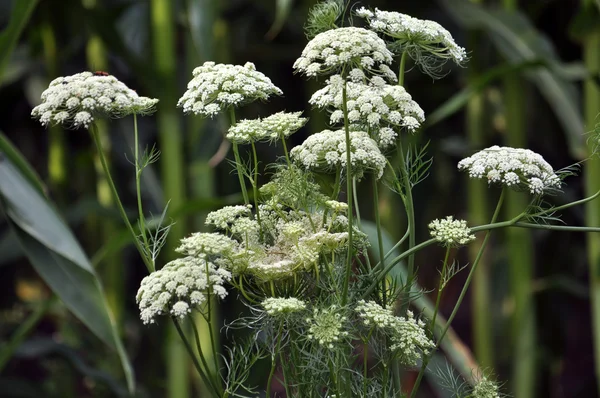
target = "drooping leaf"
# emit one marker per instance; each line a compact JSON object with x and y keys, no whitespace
{"x":518,"y":41}
{"x":20,"y":13}
{"x":8,"y":150}
{"x":57,"y":257}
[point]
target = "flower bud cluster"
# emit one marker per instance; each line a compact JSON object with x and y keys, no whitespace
{"x":450,"y":232}
{"x":519,"y":169}
{"x":326,"y":326}
{"x":277,"y":306}
{"x":216,"y":87}
{"x":275,"y":127}
{"x":485,"y":388}
{"x":75,"y":101}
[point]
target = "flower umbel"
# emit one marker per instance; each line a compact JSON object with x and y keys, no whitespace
{"x":277,"y":126}
{"x":330,"y":51}
{"x":75,"y":101}
{"x":216,"y":87}
{"x":450,"y":232}
{"x":179,"y":286}
{"x":277,"y":306}
{"x":427,"y":42}
{"x":326,"y":326}
{"x":486,"y":388}
{"x":327,"y":151}
{"x":519,"y":169}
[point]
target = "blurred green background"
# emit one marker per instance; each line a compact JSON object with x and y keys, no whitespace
{"x":532,"y":81}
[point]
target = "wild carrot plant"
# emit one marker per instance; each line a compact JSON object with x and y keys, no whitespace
{"x":328,"y":318}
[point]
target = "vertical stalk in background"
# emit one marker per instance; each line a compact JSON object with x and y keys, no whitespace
{"x":478,"y":214}
{"x":591,"y":56}
{"x":112,"y":270}
{"x":173,"y":174}
{"x":519,"y":244}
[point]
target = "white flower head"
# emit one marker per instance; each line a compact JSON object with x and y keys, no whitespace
{"x":216,"y":87}
{"x":201,"y":244}
{"x":450,"y":232}
{"x":275,"y":127}
{"x":351,"y":47}
{"x":427,"y":42}
{"x":326,"y":326}
{"x":519,"y":169}
{"x":327,"y":151}
{"x":375,"y":106}
{"x":226,"y":216}
{"x":75,"y":101}
{"x":178,"y":287}
{"x":486,"y":388}
{"x":278,"y":306}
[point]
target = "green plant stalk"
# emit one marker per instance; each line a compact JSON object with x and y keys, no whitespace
{"x":410,"y":213}
{"x":24,"y":330}
{"x":274,"y":360}
{"x":192,"y":356}
{"x":94,"y":131}
{"x":214,"y":384}
{"x":172,"y":167}
{"x":461,"y":296}
{"x":255,"y":185}
{"x":440,"y":289}
{"x":138,"y":188}
{"x":379,"y":238}
{"x":478,"y":210}
{"x":349,"y":195}
{"x":238,"y":159}
{"x":591,"y":57}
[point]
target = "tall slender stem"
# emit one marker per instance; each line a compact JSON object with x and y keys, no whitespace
{"x":349,"y":195}
{"x":238,"y":160}
{"x":255,"y":186}
{"x":410,"y":211}
{"x":138,"y":187}
{"x":402,"y":67}
{"x":113,"y":188}
{"x":440,"y":288}
{"x":379,"y":238}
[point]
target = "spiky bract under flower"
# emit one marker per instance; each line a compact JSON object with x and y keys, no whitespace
{"x":216,"y":87}
{"x":275,"y":127}
{"x":178,"y":287}
{"x":519,"y":169}
{"x":349,"y":47}
{"x":326,"y":151}
{"x":76,"y":101}
{"x":450,"y":232}
{"x":377,"y":107}
{"x":427,"y":42}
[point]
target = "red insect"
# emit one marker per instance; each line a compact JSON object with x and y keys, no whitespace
{"x":100,"y":73}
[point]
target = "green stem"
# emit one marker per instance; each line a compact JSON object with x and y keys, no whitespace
{"x":190,"y":350}
{"x":255,"y":186}
{"x":285,"y":151}
{"x":238,"y":160}
{"x":460,"y":297}
{"x":349,"y":195}
{"x":138,"y":187}
{"x":337,"y":184}
{"x":410,"y":213}
{"x":274,"y":360}
{"x":440,"y":289}
{"x":401,"y":70}
{"x":214,"y":384}
{"x":111,"y":183}
{"x":379,"y":237}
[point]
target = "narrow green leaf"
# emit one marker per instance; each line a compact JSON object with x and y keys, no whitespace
{"x":20,"y":13}
{"x":58,"y":258}
{"x":8,"y":150}
{"x":518,"y":41}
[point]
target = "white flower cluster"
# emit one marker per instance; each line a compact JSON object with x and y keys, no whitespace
{"x":412,"y":33}
{"x":75,"y":101}
{"x":485,"y":388}
{"x":216,"y":87}
{"x":407,"y":335}
{"x":226,"y":216}
{"x":450,"y":232}
{"x":207,"y":245}
{"x":349,"y":47}
{"x":178,"y":287}
{"x":276,"y":306}
{"x":338,"y":207}
{"x":325,"y":326}
{"x":277,"y":126}
{"x":377,"y":106}
{"x":327,"y":151}
{"x":520,"y":169}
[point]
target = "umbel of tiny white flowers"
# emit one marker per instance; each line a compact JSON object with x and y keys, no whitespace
{"x":279,"y":306}
{"x":427,"y":42}
{"x":75,"y":101}
{"x":377,"y":107}
{"x":450,"y":232}
{"x":519,"y":169}
{"x":216,"y":87}
{"x":179,"y":286}
{"x":407,"y":335}
{"x":485,"y":388}
{"x":326,"y":326}
{"x":349,"y":47}
{"x":326,"y":151}
{"x":275,"y":127}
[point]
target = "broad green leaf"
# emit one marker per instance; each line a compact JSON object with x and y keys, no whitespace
{"x":20,"y":13}
{"x":518,"y":41}
{"x":8,"y":150}
{"x":57,"y":257}
{"x":457,"y":352}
